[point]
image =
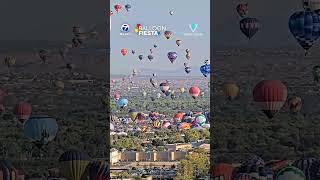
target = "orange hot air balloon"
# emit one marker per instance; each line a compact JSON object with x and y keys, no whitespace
{"x":194,"y":91}
{"x":222,"y":171}
{"x":124,"y":52}
{"x":178,"y":117}
{"x":23,"y":111}
{"x":270,"y":96}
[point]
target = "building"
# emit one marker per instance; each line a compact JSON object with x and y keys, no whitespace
{"x":178,"y":147}
{"x":133,"y":156}
{"x":115,"y":156}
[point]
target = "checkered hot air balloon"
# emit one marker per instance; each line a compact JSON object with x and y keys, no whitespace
{"x":305,"y":27}
{"x":249,"y":26}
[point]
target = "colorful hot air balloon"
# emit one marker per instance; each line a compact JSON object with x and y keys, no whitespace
{"x":7,"y":171}
{"x":168,"y":34}
{"x":205,"y":70}
{"x":242,"y":9}
{"x":41,"y":130}
{"x":178,"y":42}
{"x":194,"y":92}
{"x":231,"y":90}
{"x":73,"y":164}
{"x":311,"y":4}
{"x":164,"y":87}
{"x":23,"y":111}
{"x":118,"y":7}
{"x":249,"y":26}
{"x":122,"y":103}
{"x":124,"y":51}
{"x":172,"y":56}
{"x":304,"y":26}
{"x":316,"y":73}
{"x":188,"y":56}
{"x":222,"y":171}
{"x":295,"y":104}
{"x":305,"y":165}
{"x":99,"y":170}
{"x":270,"y":95}
{"x":156,"y":124}
{"x":290,"y":173}
{"x":133,"y":114}
{"x":150,"y":57}
{"x":200,"y":119}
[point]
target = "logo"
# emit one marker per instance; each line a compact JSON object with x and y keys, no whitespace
{"x":193,"y":27}
{"x":153,"y":30}
{"x":125,"y":28}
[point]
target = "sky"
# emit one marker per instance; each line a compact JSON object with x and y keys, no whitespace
{"x":151,"y":12}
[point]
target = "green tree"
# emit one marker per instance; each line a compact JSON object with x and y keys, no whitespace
{"x":192,"y":135}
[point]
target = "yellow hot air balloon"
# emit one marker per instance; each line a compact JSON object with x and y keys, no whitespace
{"x":133,"y":114}
{"x":156,"y":124}
{"x":73,"y":164}
{"x":231,"y":90}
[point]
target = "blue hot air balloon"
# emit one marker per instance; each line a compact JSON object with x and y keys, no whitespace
{"x":305,"y":27}
{"x":205,"y":70}
{"x":41,"y":129}
{"x":122,"y":102}
{"x":128,"y":7}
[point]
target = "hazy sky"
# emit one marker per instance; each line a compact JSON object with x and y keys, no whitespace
{"x":151,"y":12}
{"x":47,"y":20}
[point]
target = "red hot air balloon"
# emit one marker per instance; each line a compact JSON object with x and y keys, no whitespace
{"x":194,"y":91}
{"x":117,"y":7}
{"x":222,"y":171}
{"x":23,"y":111}
{"x":270,"y":96}
{"x":124,"y":52}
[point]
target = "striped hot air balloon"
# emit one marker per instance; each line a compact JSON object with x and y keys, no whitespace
{"x":73,"y":164}
{"x":249,"y":26}
{"x":157,"y":124}
{"x":7,"y":171}
{"x":305,"y":165}
{"x":23,"y":111}
{"x":231,"y":90}
{"x":270,"y":96}
{"x":290,"y":173}
{"x":222,"y":171}
{"x":99,"y":170}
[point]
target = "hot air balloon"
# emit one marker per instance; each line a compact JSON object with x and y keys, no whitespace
{"x":270,"y":95}
{"x":73,"y":164}
{"x":133,"y":114}
{"x":304,"y":26}
{"x":133,"y":52}
{"x":168,"y":34}
{"x":117,"y":7}
{"x":122,"y":103}
{"x":205,"y":70}
{"x":172,"y":56}
{"x":242,"y":9}
{"x":156,"y":124}
{"x":140,"y":57}
{"x":231,"y":90}
{"x":164,"y":87}
{"x":194,"y":92}
{"x":124,"y":52}
{"x":200,"y":119}
{"x":59,"y":84}
{"x":117,"y":96}
{"x":128,"y":7}
{"x":153,"y":115}
{"x":316,"y":73}
{"x":10,"y":61}
{"x":150,"y":57}
{"x":155,"y":46}
{"x":295,"y":104}
{"x":289,"y":173}
{"x":222,"y":171}
{"x":178,"y":42}
{"x":111,"y":12}
{"x":171,"y":13}
{"x":184,"y":126}
{"x":188,"y":56}
{"x":311,"y":4}
{"x":8,"y":171}
{"x":158,"y":95}
{"x":187,"y":51}
{"x":249,"y":26}
{"x":99,"y":170}
{"x":23,"y":111}
{"x":41,"y":130}
{"x":43,"y":54}
{"x":187,"y":70}
{"x":166,"y":124}
{"x":305,"y":165}
{"x":141,"y":117}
